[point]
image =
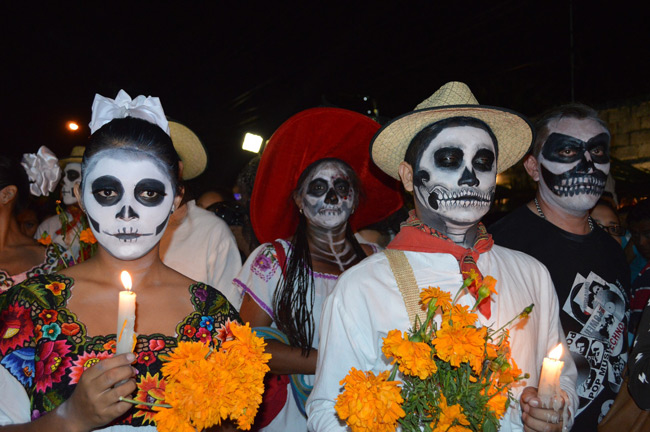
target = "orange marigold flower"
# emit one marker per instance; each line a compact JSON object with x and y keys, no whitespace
{"x":462,"y":317}
{"x":370,"y":403}
{"x":457,"y":345}
{"x":509,"y":372}
{"x":414,"y":358}
{"x":498,"y":404}
{"x":171,"y":420}
{"x":182,"y":357}
{"x":45,"y":239}
{"x":487,"y":288}
{"x":87,"y":236}
{"x":449,"y":416}
{"x":56,"y":287}
{"x":442,"y":298}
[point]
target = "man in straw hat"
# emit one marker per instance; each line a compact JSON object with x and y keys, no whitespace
{"x":447,"y":152}
{"x":570,"y":162}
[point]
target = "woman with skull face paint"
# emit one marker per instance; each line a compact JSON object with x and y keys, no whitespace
{"x":20,"y":256}
{"x":58,"y":368}
{"x":68,"y":235}
{"x":306,"y":215}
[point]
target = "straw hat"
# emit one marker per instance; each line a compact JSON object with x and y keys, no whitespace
{"x":306,"y":137}
{"x":76,"y":155}
{"x":189,"y":149}
{"x":513,"y":131}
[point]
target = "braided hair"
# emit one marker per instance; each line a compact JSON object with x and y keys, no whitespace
{"x":293,"y":300}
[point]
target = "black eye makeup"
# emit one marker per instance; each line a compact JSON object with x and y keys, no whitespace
{"x":150,"y":192}
{"x":483,"y":160}
{"x":317,"y":187}
{"x":72,"y":175}
{"x":342,"y":187}
{"x":107,"y":190}
{"x":567,"y":149}
{"x":448,"y":157}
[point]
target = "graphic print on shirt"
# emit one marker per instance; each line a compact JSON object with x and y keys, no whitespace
{"x":599,"y":348}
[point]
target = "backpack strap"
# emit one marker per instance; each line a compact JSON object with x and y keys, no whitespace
{"x":406,"y":283}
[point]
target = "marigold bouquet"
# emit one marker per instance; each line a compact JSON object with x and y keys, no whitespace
{"x":205,"y":386}
{"x":456,"y":376}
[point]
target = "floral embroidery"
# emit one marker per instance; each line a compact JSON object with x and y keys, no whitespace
{"x":44,"y":346}
{"x":206,"y":322}
{"x":146,"y":358}
{"x":265,"y":263}
{"x":189,"y":331}
{"x":48,"y":316}
{"x":156,"y":344}
{"x":20,"y":363}
{"x":51,"y":331}
{"x":151,"y":388}
{"x":56,"y":287}
{"x":224,"y":333}
{"x":16,"y":327}
{"x":83,"y":362}
{"x":54,"y":361}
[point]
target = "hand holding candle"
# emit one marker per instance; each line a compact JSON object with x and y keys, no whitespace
{"x":549,"y":380}
{"x":125,"y":316}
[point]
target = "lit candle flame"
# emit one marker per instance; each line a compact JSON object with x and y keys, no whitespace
{"x":556,"y":352}
{"x":126,"y":280}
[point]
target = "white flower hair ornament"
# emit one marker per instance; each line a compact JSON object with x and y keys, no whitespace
{"x":144,"y":107}
{"x":43,"y":171}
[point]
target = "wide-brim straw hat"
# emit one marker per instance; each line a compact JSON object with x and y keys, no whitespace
{"x":306,"y":137}
{"x":513,"y":131}
{"x":189,"y":148}
{"x":76,"y":155}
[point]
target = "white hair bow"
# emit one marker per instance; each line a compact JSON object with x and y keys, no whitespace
{"x":144,"y":107}
{"x":43,"y":171}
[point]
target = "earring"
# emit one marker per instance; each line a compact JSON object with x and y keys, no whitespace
{"x":301,"y":211}
{"x":173,"y":208}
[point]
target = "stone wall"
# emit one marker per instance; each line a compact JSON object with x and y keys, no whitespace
{"x":630,"y":127}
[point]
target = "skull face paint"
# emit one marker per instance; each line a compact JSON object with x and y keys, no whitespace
{"x":574,"y":166}
{"x":455,"y":179}
{"x":71,"y":177}
{"x":128,"y":202}
{"x":327,"y":196}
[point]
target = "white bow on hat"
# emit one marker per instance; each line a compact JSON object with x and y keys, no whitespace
{"x":146,"y":108}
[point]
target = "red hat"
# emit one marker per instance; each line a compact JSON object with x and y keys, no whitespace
{"x":306,"y":137}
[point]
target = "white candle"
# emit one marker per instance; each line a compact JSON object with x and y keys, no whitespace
{"x":549,"y":380}
{"x":125,"y":316}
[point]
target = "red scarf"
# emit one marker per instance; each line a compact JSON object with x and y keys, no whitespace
{"x":415,"y":236}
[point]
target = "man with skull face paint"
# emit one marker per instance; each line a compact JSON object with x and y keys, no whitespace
{"x":66,"y":377}
{"x":570,"y":163}
{"x":76,"y":220}
{"x":447,"y":152}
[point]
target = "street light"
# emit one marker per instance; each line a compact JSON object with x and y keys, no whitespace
{"x":252,"y":142}
{"x":72,"y":126}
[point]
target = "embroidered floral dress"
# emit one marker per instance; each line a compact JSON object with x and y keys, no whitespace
{"x":53,"y":262}
{"x":46,"y":348}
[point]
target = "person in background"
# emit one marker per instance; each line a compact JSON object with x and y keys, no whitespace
{"x":58,"y":369}
{"x":20,"y":255}
{"x":569,"y":161}
{"x":638,"y":222}
{"x":606,"y":217}
{"x":447,"y":152}
{"x":197,"y":243}
{"x":213,"y":196}
{"x":65,"y":228}
{"x":310,"y":200}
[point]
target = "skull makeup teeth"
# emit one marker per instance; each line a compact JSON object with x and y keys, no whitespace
{"x":456,"y":175}
{"x":327,"y":195}
{"x":128,"y":202}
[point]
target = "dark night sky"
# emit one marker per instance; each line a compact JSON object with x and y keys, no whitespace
{"x":225,"y":69}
